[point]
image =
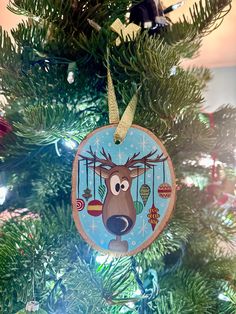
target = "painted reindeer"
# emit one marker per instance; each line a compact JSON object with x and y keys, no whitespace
{"x":119,"y":214}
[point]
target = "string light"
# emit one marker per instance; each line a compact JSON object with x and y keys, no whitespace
{"x":71,"y":77}
{"x":139,"y":270}
{"x":137,"y":292}
{"x":173,"y":7}
{"x":3,"y":194}
{"x":173,"y":70}
{"x":70,"y":144}
{"x":131,"y":305}
{"x":223,"y":297}
{"x":71,"y":71}
{"x":104,"y":259}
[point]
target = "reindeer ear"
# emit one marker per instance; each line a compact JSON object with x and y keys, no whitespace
{"x":101,"y":171}
{"x":137,"y":172}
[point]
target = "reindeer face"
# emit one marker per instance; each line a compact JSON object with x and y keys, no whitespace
{"x":119,"y":214}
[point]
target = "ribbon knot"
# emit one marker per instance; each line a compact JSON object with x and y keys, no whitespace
{"x":127,"y":33}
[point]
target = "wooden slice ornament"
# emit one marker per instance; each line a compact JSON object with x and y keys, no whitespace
{"x":120,"y":228}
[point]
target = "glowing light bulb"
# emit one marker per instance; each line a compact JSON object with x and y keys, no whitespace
{"x":139,"y":270}
{"x":104,"y":259}
{"x":173,"y":70}
{"x":178,"y":5}
{"x":3,"y":193}
{"x":223,"y":297}
{"x":137,"y":292}
{"x":206,"y":161}
{"x":70,"y":144}
{"x":71,"y":77}
{"x":131,"y":305}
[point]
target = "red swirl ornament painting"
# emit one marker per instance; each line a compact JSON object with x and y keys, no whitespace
{"x":119,"y":205}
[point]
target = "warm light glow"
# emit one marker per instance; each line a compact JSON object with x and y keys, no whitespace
{"x":223,"y":297}
{"x":139,"y":270}
{"x":70,"y":144}
{"x":104,"y":259}
{"x":137,"y":292}
{"x":178,"y":5}
{"x":188,"y":181}
{"x":3,"y":193}
{"x":206,"y":161}
{"x":131,"y":305}
{"x":71,"y":77}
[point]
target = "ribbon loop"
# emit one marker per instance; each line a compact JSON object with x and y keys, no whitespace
{"x":127,"y":118}
{"x":114,"y":116}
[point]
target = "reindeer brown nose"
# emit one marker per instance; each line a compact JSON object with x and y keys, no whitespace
{"x":119,"y":224}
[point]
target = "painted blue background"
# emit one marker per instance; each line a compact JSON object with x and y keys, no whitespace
{"x":135,"y":141}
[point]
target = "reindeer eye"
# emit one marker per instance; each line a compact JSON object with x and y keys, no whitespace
{"x":124,"y":185}
{"x":115,"y":185}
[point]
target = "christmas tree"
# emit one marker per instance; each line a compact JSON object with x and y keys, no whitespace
{"x":53,"y":70}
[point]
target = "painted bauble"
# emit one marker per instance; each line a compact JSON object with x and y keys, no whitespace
{"x":95,"y":208}
{"x":153,"y":216}
{"x":101,"y":191}
{"x":80,"y":204}
{"x":87,"y":194}
{"x":138,"y":206}
{"x":144,"y":192}
{"x":164,"y":190}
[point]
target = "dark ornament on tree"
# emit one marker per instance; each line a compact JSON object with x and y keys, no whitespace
{"x":149,"y":15}
{"x":5,"y":127}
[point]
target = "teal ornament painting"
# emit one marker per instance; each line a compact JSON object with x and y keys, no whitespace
{"x":119,"y":224}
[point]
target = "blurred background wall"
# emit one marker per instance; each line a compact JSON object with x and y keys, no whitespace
{"x":218,"y":52}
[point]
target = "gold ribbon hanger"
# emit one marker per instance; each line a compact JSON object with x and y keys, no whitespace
{"x":114,"y":118}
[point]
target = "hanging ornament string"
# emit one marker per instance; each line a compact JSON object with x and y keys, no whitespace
{"x":137,"y":185}
{"x":87,"y":173}
{"x":127,"y":119}
{"x":144,"y":173}
{"x":87,"y":192}
{"x":94,"y":179}
{"x":78,"y":180}
{"x":164,"y":173}
{"x":101,"y":188}
{"x":80,"y":204}
{"x":153,"y":178}
{"x":100,"y":176}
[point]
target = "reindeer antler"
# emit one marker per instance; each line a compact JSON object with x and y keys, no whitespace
{"x":105,"y":162}
{"x":146,"y":160}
